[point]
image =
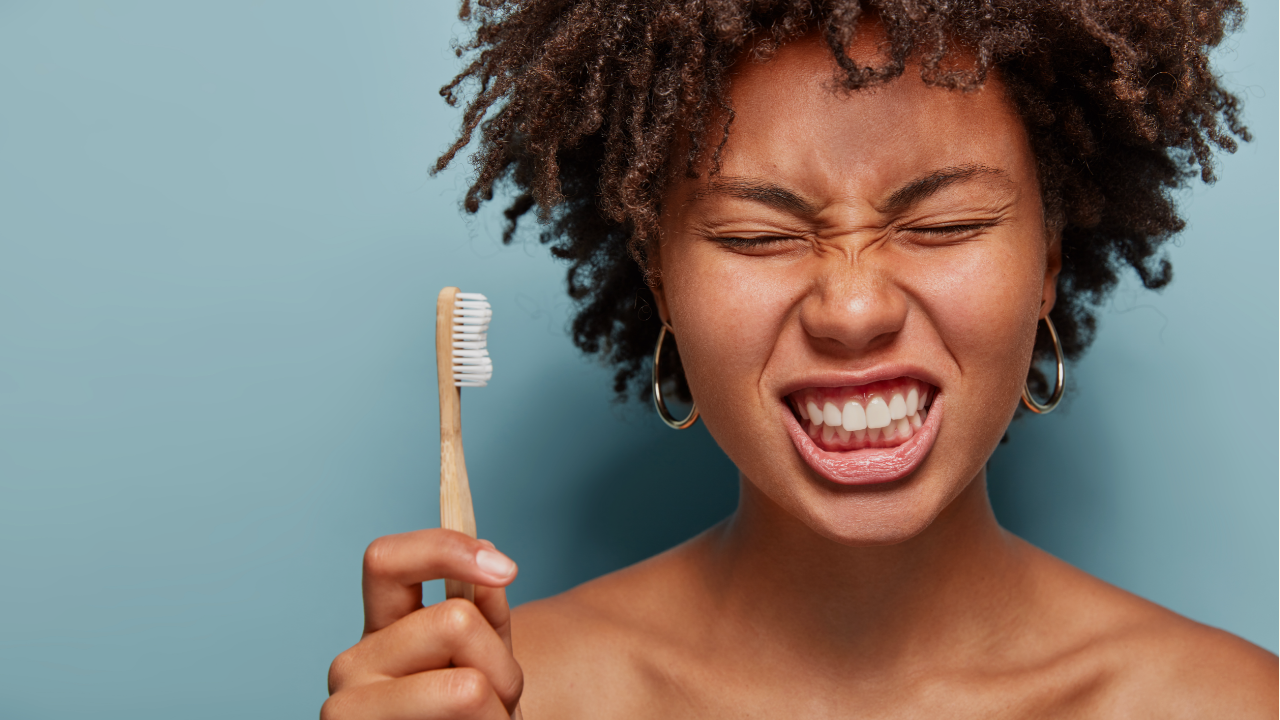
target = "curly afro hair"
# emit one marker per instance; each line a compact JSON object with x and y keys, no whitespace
{"x":588,"y":108}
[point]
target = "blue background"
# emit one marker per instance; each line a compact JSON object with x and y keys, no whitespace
{"x":219,"y":254}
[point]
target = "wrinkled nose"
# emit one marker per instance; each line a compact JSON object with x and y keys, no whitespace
{"x":853,"y":308}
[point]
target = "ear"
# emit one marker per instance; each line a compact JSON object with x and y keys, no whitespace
{"x":653,"y":280}
{"x":660,"y":302}
{"x":1052,"y":267}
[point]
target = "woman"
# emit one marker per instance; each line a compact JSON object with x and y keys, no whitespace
{"x":855,"y":221}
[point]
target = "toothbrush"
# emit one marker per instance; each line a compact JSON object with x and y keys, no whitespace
{"x":462,"y":360}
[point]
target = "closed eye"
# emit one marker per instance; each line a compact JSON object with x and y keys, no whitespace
{"x":941,"y":235}
{"x":949,"y":230}
{"x":749,"y":242}
{"x":772,"y":245}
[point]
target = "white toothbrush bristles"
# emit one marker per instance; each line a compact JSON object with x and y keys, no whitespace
{"x":471,"y":364}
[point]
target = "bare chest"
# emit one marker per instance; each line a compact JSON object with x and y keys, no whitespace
{"x":675,"y":688}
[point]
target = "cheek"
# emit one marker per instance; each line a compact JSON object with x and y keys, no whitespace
{"x":984,"y":307}
{"x":730,"y":313}
{"x":727,"y":322}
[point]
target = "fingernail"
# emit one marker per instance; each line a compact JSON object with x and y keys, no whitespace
{"x":494,"y":563}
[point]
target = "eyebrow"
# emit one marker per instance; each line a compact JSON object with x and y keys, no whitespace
{"x":783,"y":199}
{"x":917,"y":190}
{"x":759,"y":191}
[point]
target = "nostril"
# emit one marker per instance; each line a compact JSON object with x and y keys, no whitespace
{"x":859,"y":312}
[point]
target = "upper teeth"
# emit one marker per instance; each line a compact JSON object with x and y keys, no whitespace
{"x":878,"y":412}
{"x":831,"y":415}
{"x":853,"y":417}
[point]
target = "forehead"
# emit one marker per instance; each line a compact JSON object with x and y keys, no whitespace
{"x":793,"y":123}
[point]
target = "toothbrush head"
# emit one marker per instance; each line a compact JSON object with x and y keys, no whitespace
{"x":472,"y":366}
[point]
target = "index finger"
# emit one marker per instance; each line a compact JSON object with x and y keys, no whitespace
{"x":395,"y":566}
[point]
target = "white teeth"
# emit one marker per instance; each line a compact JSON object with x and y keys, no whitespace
{"x":855,"y":418}
{"x":903,"y":427}
{"x":831,"y":415}
{"x":893,"y":418}
{"x":897,"y":407}
{"x":815,"y":415}
{"x":877,"y":413}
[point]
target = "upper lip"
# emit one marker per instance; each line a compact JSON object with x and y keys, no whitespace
{"x":849,"y":378}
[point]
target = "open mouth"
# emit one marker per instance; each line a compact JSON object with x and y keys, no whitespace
{"x":877,"y":432}
{"x":876,"y":415}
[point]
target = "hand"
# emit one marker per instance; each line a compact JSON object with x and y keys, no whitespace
{"x":452,"y":660}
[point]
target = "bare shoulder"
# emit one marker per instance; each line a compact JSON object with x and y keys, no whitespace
{"x":1190,"y":670}
{"x":596,"y":649}
{"x":1151,"y":662}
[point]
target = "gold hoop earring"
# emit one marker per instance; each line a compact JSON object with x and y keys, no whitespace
{"x":1058,"y":388}
{"x":657,"y":391}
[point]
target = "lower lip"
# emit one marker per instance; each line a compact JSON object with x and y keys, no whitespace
{"x":870,"y":466}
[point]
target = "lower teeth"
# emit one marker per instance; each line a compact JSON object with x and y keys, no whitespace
{"x":897,"y":431}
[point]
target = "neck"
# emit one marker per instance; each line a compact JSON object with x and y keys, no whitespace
{"x":928,"y":597}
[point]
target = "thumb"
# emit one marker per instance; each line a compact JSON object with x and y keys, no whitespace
{"x":492,"y":603}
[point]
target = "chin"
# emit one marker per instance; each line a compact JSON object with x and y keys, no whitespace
{"x":792,"y":495}
{"x":874,"y":515}
{"x":870,"y":460}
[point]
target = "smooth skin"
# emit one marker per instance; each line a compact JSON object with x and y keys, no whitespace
{"x":882,"y":233}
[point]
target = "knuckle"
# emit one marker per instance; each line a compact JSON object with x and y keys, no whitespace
{"x":467,"y":691}
{"x":377,"y":557}
{"x":340,"y":670}
{"x":511,"y":690}
{"x":459,"y":618}
{"x":337,"y":707}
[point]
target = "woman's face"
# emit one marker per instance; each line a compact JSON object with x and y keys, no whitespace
{"x":855,"y":294}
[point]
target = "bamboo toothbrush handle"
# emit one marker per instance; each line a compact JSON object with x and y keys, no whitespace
{"x":455,"y":493}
